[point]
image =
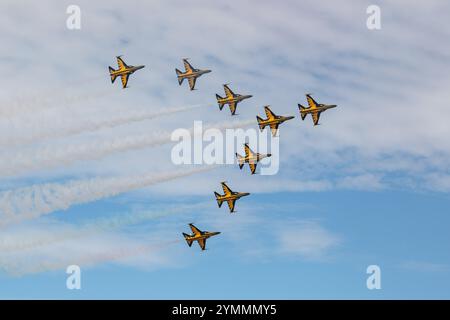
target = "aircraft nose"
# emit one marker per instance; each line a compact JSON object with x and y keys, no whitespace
{"x":269,"y":155}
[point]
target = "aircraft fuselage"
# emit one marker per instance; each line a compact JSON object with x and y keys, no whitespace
{"x":205,"y":235}
{"x":319,"y":108}
{"x":233,"y":196}
{"x":193,"y":74}
{"x":277,"y":120}
{"x":126,"y":71}
{"x":256,"y":158}
{"x":237,"y":98}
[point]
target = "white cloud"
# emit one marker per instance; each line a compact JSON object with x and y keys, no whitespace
{"x":375,"y":78}
{"x":307,"y":239}
{"x":390,"y":128}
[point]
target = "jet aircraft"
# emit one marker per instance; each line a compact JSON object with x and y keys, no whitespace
{"x":191,"y":74}
{"x":252,"y":158}
{"x":315,"y":109}
{"x":229,"y":196}
{"x":273,"y":121}
{"x":231,"y":98}
{"x":123,"y":71}
{"x":199,"y":236}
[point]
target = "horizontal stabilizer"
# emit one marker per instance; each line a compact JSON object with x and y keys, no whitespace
{"x":180,"y":79}
{"x":189,"y":241}
{"x":260,"y":124}
{"x":219,"y":201}
{"x":241,"y":160}
{"x":221,"y":104}
{"x":113,"y":77}
{"x":302,"y":109}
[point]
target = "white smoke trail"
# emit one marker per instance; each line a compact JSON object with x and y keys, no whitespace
{"x":85,"y":254}
{"x":45,"y":101}
{"x":50,"y":232}
{"x":27,"y":135}
{"x":37,"y":200}
{"x":25,"y":160}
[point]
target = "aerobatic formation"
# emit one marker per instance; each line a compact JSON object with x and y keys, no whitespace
{"x":231,"y":99}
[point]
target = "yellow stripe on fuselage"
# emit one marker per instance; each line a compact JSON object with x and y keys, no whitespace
{"x":119,"y":73}
{"x":227,"y":100}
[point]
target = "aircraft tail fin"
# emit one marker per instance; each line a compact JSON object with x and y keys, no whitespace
{"x":260,"y":124}
{"x":189,"y":241}
{"x":180,"y":79}
{"x":241,"y":160}
{"x":219,"y":201}
{"x":113,"y":77}
{"x":220,"y":103}
{"x":302,"y":109}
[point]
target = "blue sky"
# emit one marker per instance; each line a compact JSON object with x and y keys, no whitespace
{"x":401,"y":232}
{"x":87,"y":177}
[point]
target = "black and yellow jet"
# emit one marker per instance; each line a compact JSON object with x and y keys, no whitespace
{"x":199,"y":236}
{"x":191,"y":74}
{"x":123,"y":71}
{"x":315,"y":109}
{"x":252,"y":158}
{"x":273,"y":121}
{"x":231,"y":99}
{"x":229,"y":196}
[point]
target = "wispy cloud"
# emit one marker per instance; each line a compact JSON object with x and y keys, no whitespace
{"x":390,"y":127}
{"x":307,"y":239}
{"x":367,"y":73}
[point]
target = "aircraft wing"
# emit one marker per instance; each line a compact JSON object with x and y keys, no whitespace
{"x":231,"y":204}
{"x":124,"y":80}
{"x":252,"y":167}
{"x":192,"y":83}
{"x":315,"y":116}
{"x":195,"y":230}
{"x":228,"y":91}
{"x":122,"y":65}
{"x":187,"y":66}
{"x":274,"y":128}
{"x":311,"y":102}
{"x":270,"y":115}
{"x":202,"y":243}
{"x":233,"y":106}
{"x":226,"y":189}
